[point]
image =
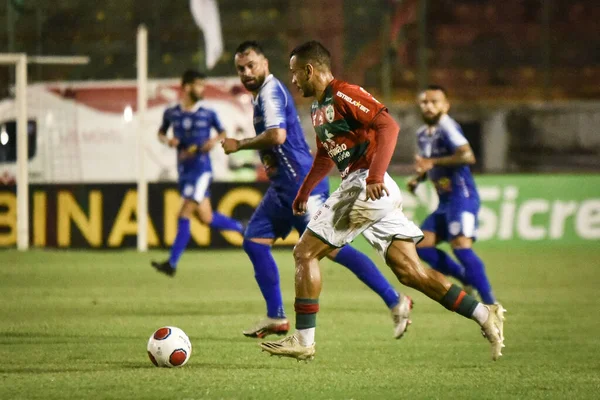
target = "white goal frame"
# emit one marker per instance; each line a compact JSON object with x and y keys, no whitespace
{"x":20,"y":61}
{"x":142,"y":106}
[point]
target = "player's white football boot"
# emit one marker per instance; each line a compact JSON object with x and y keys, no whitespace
{"x":268,"y":326}
{"x":401,"y":315}
{"x":289,"y":347}
{"x":493,"y":329}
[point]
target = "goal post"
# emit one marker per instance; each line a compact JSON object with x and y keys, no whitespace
{"x":142,"y":105}
{"x":20,"y":61}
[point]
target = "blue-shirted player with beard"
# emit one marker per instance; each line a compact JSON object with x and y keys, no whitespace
{"x":287,"y":160}
{"x":444,"y":157}
{"x":192,"y":124}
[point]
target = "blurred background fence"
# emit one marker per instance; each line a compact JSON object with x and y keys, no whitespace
{"x":523,"y":75}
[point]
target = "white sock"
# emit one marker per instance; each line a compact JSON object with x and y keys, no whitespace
{"x":306,"y":337}
{"x":481,"y":313}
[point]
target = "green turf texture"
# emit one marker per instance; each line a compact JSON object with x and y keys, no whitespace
{"x":75,"y":325}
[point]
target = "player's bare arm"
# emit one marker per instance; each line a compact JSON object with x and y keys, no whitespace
{"x":266,"y":140}
{"x":387,"y":131}
{"x":322,"y":164}
{"x":462,"y":156}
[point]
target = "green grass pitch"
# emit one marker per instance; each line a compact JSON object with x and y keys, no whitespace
{"x":75,"y":325}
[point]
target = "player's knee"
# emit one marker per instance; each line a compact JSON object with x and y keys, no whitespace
{"x":205,"y":218}
{"x":302,"y":254}
{"x":461,"y":242}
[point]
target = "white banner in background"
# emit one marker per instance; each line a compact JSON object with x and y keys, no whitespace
{"x":206,"y":15}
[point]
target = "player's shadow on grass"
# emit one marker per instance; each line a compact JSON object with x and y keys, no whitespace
{"x":84,"y":367}
{"x":242,"y":367}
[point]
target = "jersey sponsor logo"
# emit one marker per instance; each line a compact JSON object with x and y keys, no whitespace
{"x":187,"y":123}
{"x":338,"y":152}
{"x":201,"y":124}
{"x":443,"y":185}
{"x":353,"y":102}
{"x":330,"y":113}
{"x":269,"y":161}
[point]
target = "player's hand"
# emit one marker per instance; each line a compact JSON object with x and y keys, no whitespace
{"x":375,"y":191}
{"x":173,"y":142}
{"x":422,"y":165}
{"x":300,"y":206}
{"x":412,"y":185}
{"x":230,"y":145}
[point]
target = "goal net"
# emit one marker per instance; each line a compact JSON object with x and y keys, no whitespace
{"x":22,"y":109}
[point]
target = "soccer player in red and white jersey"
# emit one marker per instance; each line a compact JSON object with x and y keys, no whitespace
{"x":356,"y":133}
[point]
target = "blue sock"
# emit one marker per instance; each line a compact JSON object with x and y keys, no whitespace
{"x":267,"y":276}
{"x":475,"y":274}
{"x":223,"y":223}
{"x":181,"y":241}
{"x":367,"y":271}
{"x":442,"y":262}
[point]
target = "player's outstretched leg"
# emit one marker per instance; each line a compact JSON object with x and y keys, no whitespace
{"x":475,"y":273}
{"x":301,"y":345}
{"x":366,"y":270}
{"x":182,"y":238}
{"x":217,"y":220}
{"x":266,"y":274}
{"x":404,"y":261}
{"x":222,"y":222}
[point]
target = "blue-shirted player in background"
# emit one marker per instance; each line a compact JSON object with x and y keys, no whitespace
{"x":444,"y":157}
{"x":287,"y":160}
{"x":192,"y":125}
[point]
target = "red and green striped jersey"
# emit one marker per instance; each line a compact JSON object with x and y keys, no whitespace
{"x":342,"y":122}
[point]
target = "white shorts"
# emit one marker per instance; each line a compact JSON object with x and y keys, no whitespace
{"x":346,"y":214}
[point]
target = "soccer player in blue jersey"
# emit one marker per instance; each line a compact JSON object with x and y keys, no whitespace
{"x":287,"y":160}
{"x":192,"y":124}
{"x":444,"y":157}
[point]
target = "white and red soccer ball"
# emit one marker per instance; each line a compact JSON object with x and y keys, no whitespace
{"x":169,"y":347}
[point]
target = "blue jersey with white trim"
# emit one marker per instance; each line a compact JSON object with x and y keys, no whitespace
{"x":287,"y":164}
{"x":441,"y":140}
{"x":191,"y":127}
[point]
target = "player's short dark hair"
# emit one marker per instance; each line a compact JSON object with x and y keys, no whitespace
{"x":249,"y":45}
{"x":437,"y":87}
{"x":313,"y":52}
{"x":191,"y":75}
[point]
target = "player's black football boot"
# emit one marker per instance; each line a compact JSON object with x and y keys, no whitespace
{"x":164,"y":267}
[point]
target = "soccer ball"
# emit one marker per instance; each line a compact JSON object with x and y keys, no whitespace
{"x":169,"y":347}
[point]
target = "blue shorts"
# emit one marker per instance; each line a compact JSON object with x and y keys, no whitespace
{"x":453,"y":219}
{"x":273,"y":218}
{"x":197,"y":188}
